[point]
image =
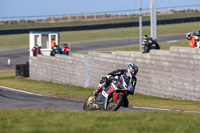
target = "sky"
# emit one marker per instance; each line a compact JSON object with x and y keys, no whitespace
{"x":14,"y":8}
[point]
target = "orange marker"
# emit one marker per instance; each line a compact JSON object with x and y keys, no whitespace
{"x":9,"y":62}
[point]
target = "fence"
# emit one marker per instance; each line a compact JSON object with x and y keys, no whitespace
{"x":95,"y":15}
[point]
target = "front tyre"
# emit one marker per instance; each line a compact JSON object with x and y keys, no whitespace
{"x":114,"y":105}
{"x":89,"y":102}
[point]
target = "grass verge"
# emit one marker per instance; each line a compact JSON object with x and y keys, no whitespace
{"x":53,"y":121}
{"x":22,"y":40}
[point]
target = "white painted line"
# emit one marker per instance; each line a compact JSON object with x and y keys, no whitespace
{"x":191,"y":111}
{"x":20,"y":91}
{"x":160,"y":109}
{"x":151,"y":108}
{"x":173,"y":41}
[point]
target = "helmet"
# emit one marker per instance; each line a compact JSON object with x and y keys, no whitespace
{"x":132,"y":68}
{"x":188,"y":36}
{"x":145,"y":37}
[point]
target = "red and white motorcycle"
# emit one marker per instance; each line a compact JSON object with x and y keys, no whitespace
{"x":111,"y":98}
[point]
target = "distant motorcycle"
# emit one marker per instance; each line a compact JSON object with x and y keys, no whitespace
{"x":111,"y":98}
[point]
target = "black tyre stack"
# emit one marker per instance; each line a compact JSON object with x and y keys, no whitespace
{"x":22,"y":70}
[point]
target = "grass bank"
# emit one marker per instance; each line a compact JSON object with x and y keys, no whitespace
{"x":53,"y":121}
{"x":22,"y":40}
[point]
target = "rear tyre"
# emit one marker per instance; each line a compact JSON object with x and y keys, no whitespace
{"x":114,"y":105}
{"x":89,"y":102}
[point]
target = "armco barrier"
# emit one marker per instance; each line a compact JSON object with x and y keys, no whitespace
{"x":171,"y":74}
{"x":99,"y":26}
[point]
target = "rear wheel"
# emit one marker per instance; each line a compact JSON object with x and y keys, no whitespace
{"x":114,"y":105}
{"x":88,"y":103}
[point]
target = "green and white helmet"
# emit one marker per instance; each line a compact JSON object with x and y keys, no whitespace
{"x":132,"y":69}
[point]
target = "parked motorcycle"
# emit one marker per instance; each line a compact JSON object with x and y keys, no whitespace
{"x":111,"y":98}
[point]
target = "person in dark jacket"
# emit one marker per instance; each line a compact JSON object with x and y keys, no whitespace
{"x":145,"y":44}
{"x":153,"y":44}
{"x":59,"y":51}
{"x":36,"y":50}
{"x":128,"y":74}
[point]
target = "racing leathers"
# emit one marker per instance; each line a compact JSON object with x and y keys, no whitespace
{"x":130,"y":80}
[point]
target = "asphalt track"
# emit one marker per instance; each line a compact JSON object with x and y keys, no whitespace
{"x":17,"y":99}
{"x":21,"y":56}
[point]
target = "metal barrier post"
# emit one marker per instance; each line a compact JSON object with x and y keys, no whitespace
{"x":60,"y":18}
{"x":69,"y":17}
{"x":9,"y":20}
{"x":70,"y":51}
{"x":18,"y":20}
{"x":86,"y":71}
{"x":95,"y":17}
{"x":26,"y":20}
{"x":86,"y":16}
{"x":35,"y":19}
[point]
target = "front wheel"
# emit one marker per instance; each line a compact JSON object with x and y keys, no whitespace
{"x":89,"y":102}
{"x":114,"y":105}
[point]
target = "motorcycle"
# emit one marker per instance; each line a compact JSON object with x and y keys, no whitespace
{"x":111,"y":98}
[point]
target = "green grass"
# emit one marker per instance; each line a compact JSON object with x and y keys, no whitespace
{"x":135,"y":18}
{"x":22,"y":40}
{"x":46,"y":88}
{"x":122,"y":33}
{"x":14,"y":41}
{"x":7,"y":78}
{"x":57,"y":121}
{"x":53,"y":121}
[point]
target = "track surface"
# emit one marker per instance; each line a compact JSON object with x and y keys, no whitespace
{"x":14,"y":99}
{"x":21,"y":56}
{"x":17,"y":99}
{"x":10,"y":99}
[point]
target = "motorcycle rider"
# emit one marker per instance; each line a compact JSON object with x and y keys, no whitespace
{"x":128,"y":74}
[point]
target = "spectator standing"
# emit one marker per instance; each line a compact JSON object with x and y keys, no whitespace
{"x":53,"y":42}
{"x":59,"y":51}
{"x":153,"y":44}
{"x":54,"y":50}
{"x":65,"y":50}
{"x":145,"y":44}
{"x":36,"y":50}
